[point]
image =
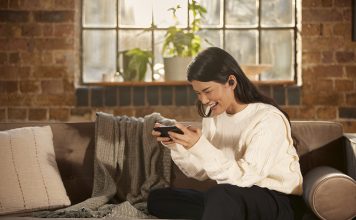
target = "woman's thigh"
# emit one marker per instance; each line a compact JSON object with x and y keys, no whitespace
{"x":226,"y":201}
{"x":222,"y":201}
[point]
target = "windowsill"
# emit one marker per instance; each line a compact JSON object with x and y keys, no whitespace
{"x":182,"y":83}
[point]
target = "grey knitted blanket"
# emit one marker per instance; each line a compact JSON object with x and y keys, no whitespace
{"x":128,"y":163}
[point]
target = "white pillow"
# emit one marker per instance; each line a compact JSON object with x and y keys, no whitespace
{"x":29,"y":176}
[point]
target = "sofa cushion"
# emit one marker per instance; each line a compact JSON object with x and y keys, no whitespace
{"x":30,"y":179}
{"x":311,"y":135}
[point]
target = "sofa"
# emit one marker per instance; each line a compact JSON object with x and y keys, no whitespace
{"x":327,"y":159}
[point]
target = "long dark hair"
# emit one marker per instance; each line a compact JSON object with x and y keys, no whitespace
{"x":215,"y":64}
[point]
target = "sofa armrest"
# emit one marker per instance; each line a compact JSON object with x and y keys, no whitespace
{"x":329,"y":193}
{"x":351,"y":154}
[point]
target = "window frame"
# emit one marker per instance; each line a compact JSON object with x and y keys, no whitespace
{"x":296,"y":32}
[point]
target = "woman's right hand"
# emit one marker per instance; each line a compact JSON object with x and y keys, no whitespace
{"x":157,"y":134}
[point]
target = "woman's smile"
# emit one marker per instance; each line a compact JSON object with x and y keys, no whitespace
{"x":210,"y":107}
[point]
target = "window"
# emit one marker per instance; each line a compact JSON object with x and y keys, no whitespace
{"x":253,"y":31}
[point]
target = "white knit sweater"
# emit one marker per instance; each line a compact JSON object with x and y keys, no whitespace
{"x":251,"y":147}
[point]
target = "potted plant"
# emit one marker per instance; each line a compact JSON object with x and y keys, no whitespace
{"x":135,"y":63}
{"x":181,"y":45}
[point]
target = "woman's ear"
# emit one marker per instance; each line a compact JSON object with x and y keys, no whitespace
{"x":232,"y":81}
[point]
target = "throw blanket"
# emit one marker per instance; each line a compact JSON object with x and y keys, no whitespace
{"x":129,"y":162}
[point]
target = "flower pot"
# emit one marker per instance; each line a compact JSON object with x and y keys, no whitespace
{"x":175,"y":68}
{"x":128,"y":75}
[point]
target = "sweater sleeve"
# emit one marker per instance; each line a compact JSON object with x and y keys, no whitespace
{"x":263,"y":144}
{"x":187,"y":162}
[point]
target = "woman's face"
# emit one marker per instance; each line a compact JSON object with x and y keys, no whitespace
{"x":219,"y":97}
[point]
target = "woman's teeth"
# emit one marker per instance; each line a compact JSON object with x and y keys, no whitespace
{"x":212,"y":105}
{"x":209,"y":107}
{"x":207,"y":110}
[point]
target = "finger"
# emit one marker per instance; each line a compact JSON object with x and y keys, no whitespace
{"x":157,"y":125}
{"x":195,"y":130}
{"x":179,"y":141}
{"x":191,"y":128}
{"x":175,"y":135}
{"x":178,"y":138}
{"x":156,"y":133}
{"x":179,"y":125}
{"x":182,"y":127}
{"x":167,"y":142}
{"x":164,"y":139}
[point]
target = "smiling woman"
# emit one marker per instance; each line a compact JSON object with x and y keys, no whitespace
{"x":245,"y":146}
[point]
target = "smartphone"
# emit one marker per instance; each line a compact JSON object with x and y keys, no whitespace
{"x":164,"y":130}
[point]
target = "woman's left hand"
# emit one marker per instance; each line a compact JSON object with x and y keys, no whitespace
{"x":189,"y":138}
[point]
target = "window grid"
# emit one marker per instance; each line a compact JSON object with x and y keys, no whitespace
{"x":223,"y":28}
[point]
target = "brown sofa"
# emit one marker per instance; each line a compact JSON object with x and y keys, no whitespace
{"x":327,"y":159}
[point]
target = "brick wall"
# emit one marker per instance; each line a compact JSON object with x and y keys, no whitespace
{"x":40,"y":68}
{"x":329,"y":67}
{"x":38,"y":59}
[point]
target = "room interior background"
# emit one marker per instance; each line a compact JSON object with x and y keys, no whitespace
{"x":40,"y":55}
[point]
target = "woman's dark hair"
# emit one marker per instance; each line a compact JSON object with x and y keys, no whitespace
{"x":215,"y":64}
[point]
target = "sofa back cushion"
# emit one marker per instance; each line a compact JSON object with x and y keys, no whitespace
{"x":30,"y":179}
{"x":311,"y":135}
{"x":74,"y":149}
{"x":319,"y":143}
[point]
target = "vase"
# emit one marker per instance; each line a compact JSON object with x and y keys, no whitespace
{"x":175,"y":68}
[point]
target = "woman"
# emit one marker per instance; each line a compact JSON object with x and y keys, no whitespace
{"x":245,"y":145}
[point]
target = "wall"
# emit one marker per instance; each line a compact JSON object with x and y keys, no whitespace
{"x":40,"y":69}
{"x":38,"y":59}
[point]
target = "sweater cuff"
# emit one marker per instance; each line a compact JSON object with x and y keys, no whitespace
{"x":180,"y":149}
{"x":205,"y":151}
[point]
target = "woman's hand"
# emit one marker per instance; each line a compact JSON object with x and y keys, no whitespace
{"x":157,"y":134}
{"x":188,"y":139}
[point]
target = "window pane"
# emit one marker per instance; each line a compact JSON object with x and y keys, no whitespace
{"x":99,"y":13}
{"x":278,"y":50}
{"x":158,"y":62}
{"x":135,"y":13}
{"x":163,"y":17}
{"x":99,"y":54}
{"x":129,"y":39}
{"x":241,"y":13}
{"x":277,"y":13}
{"x":213,"y":17}
{"x":211,"y":38}
{"x":242,"y":45}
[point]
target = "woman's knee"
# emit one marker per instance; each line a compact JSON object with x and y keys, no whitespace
{"x":220,"y":204}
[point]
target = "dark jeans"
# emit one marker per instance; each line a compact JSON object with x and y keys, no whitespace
{"x":221,"y":202}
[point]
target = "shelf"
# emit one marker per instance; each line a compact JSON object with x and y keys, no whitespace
{"x":253,"y":70}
